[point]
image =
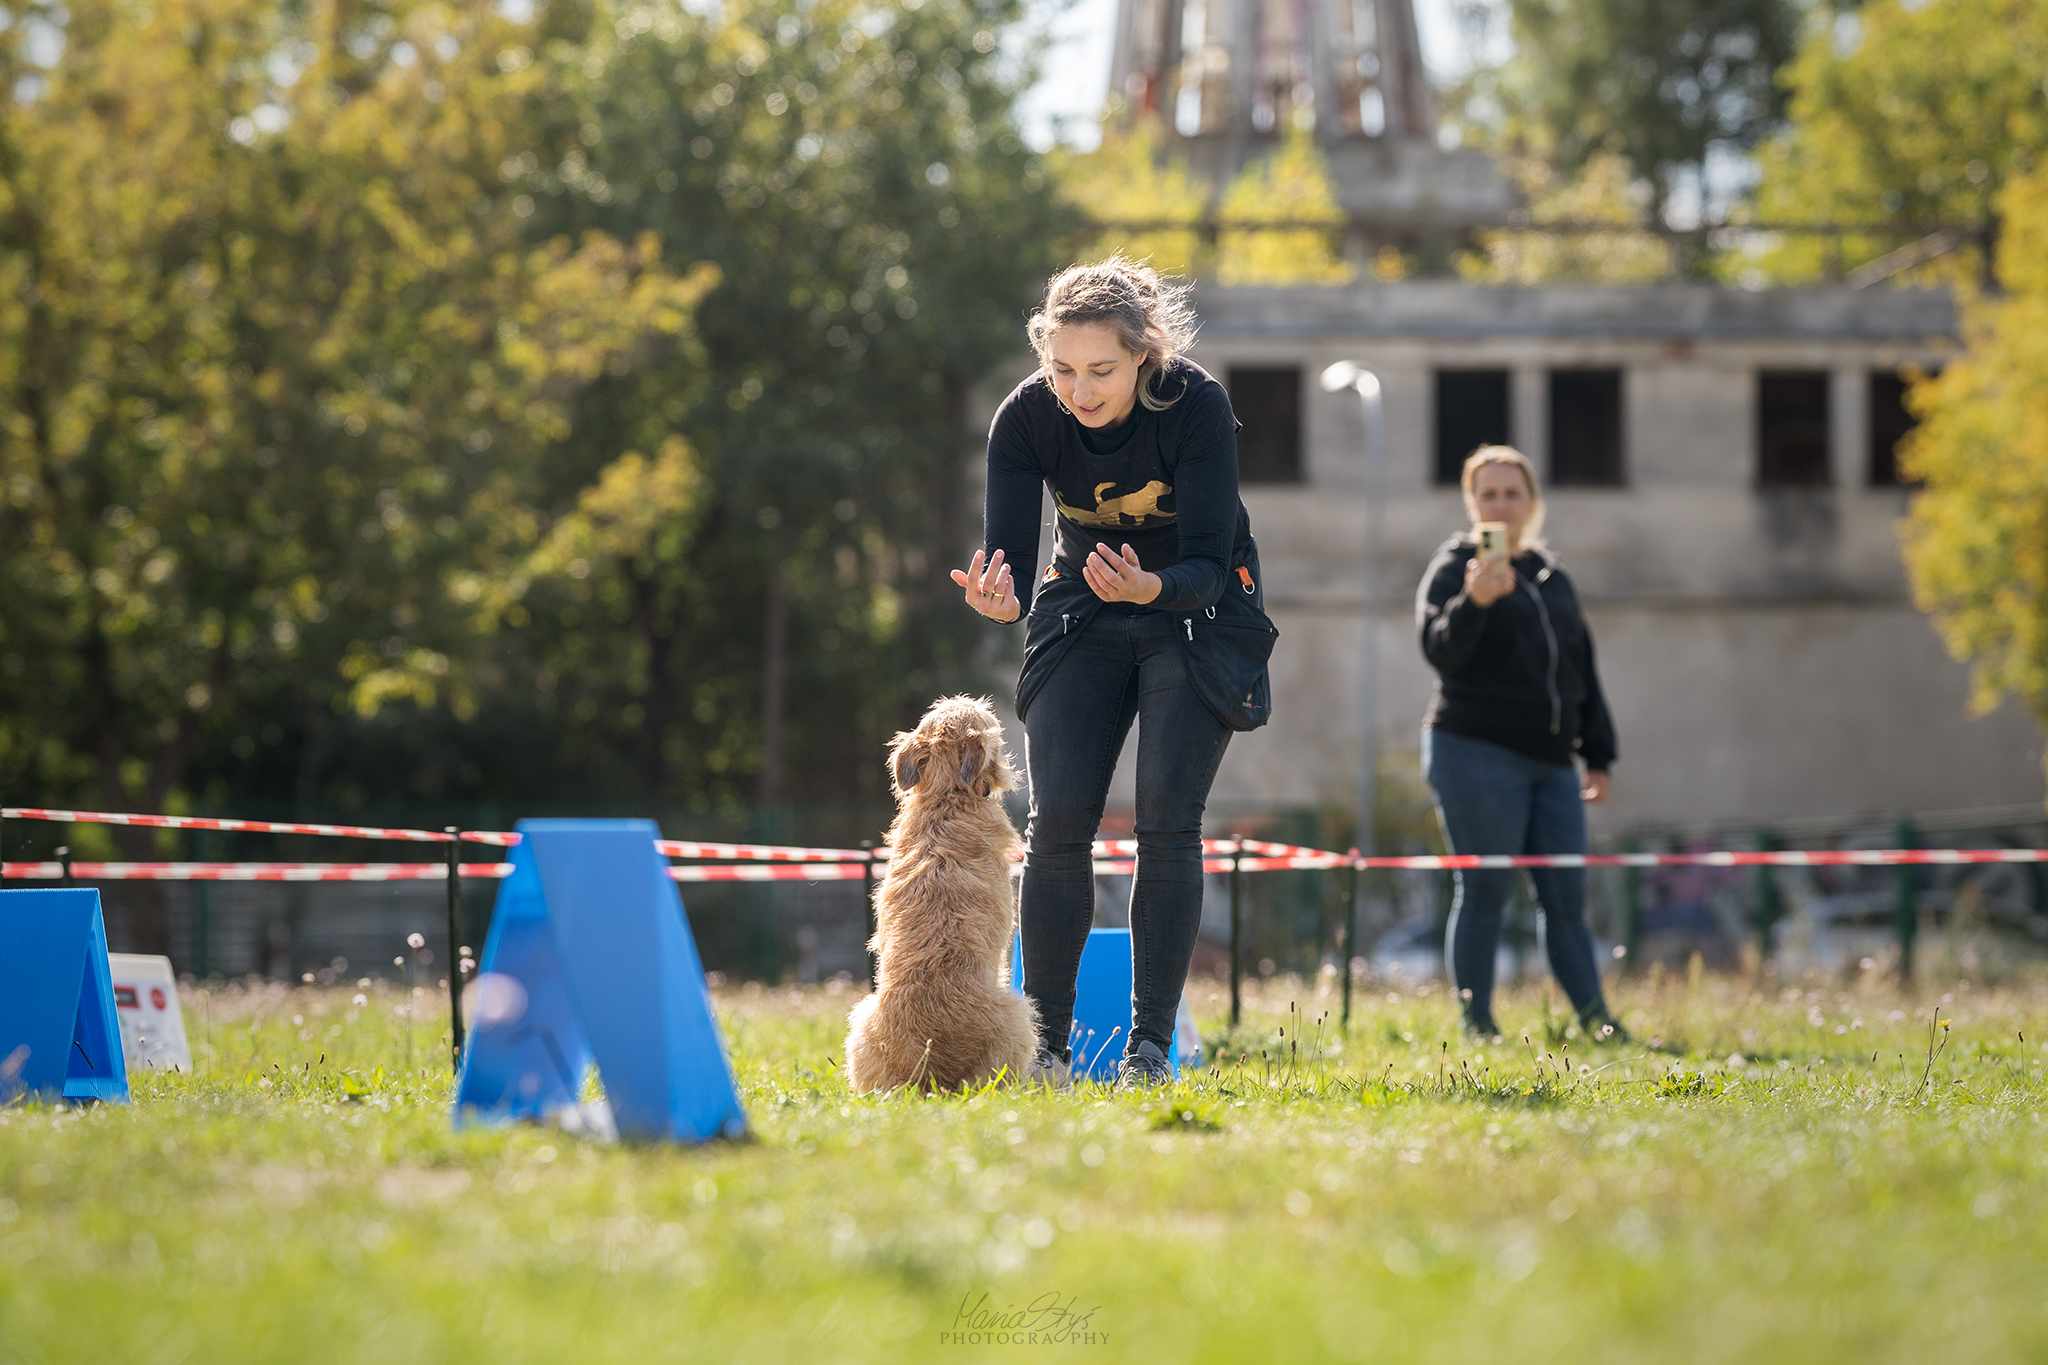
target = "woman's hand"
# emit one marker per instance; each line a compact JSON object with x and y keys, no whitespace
{"x":1595,"y":789}
{"x":1488,"y":580}
{"x":990,"y":589}
{"x":1117,"y":578}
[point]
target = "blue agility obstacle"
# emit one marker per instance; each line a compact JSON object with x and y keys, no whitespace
{"x":1102,"y":1008}
{"x":59,"y":1036}
{"x":590,"y":961}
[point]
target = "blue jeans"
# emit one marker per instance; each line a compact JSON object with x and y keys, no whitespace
{"x":1494,"y":800}
{"x":1126,"y":665}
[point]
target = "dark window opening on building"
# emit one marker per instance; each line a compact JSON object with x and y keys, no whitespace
{"x":1792,"y":429}
{"x":1471,"y":411}
{"x":1890,"y":423}
{"x":1267,"y":399}
{"x":1586,"y":429}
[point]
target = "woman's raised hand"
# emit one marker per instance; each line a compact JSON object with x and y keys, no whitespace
{"x":989,"y":587}
{"x":1116,"y":576}
{"x":1488,"y":580}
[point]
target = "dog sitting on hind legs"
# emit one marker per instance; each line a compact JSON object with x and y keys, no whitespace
{"x":942,"y":1013}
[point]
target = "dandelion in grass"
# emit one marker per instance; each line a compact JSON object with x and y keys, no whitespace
{"x":494,"y":998}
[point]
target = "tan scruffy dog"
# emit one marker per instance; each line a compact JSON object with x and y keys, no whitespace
{"x":943,"y":1013}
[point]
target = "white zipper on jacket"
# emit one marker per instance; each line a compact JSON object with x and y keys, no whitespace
{"x":1550,"y":637}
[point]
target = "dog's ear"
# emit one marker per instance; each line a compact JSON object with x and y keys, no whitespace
{"x":986,"y":769}
{"x":904,"y":762}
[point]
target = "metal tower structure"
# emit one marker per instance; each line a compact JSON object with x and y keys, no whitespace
{"x":1226,"y":78}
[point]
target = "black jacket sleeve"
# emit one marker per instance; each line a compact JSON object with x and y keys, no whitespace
{"x":1450,"y":621}
{"x":1205,"y":504}
{"x":1009,"y":509}
{"x":1597,"y":743}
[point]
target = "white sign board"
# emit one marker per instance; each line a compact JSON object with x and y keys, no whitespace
{"x":146,"y":1002}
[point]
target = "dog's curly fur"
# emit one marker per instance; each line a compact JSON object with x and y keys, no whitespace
{"x":942,"y":1013}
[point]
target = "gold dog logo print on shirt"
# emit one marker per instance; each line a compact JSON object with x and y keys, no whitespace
{"x":1126,"y":509}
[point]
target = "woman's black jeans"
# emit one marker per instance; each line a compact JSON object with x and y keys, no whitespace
{"x":1494,"y":800}
{"x":1126,"y":665}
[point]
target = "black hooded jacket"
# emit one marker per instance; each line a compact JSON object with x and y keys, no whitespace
{"x":1519,"y":673}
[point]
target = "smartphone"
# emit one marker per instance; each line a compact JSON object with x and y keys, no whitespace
{"x":1493,"y":540}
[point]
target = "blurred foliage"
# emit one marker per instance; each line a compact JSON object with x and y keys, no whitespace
{"x":570,"y":411}
{"x":1132,"y":178}
{"x":1602,"y":192}
{"x":1128,"y":178}
{"x":1977,"y":536}
{"x":1660,"y":83}
{"x":1919,"y":113}
{"x":1289,"y":185}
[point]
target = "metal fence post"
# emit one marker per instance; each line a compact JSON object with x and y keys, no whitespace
{"x":1769,"y":904}
{"x":867,"y":903}
{"x":1236,"y":934}
{"x":202,"y":916}
{"x":454,"y":945}
{"x":1353,"y":880}
{"x":1908,"y":903}
{"x":1631,"y":911}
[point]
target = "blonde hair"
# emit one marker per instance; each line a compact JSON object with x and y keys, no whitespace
{"x":1151,"y":316}
{"x":1487,"y":456}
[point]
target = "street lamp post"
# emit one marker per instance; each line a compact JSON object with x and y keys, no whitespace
{"x":1343,"y":375}
{"x":1347,"y":375}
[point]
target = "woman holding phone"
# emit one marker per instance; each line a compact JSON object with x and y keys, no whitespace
{"x":1517,"y":709}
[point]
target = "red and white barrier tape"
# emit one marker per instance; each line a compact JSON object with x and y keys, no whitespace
{"x":696,"y":848}
{"x":96,"y":817}
{"x":674,"y":848}
{"x":248,"y":872}
{"x":780,"y":853}
{"x":784,"y":862}
{"x":387,"y":872}
{"x":1847,"y":857}
{"x":1267,"y":849}
{"x":771,"y":872}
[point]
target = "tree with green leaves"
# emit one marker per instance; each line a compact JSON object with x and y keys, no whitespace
{"x":1977,"y":537}
{"x":1918,"y":114}
{"x":1132,"y":182}
{"x":409,"y":406}
{"x":854,"y":173}
{"x":1129,"y":178}
{"x":280,"y":356}
{"x":1665,"y":84}
{"x":1602,"y":192}
{"x":1290,"y":184}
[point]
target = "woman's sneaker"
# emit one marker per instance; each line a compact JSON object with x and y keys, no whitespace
{"x":1049,"y":1068}
{"x":1145,"y":1065}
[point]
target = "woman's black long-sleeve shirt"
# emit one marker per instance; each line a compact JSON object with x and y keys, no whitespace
{"x":1519,"y":673}
{"x":1164,"y":483}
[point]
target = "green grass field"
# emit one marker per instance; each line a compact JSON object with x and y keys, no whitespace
{"x":1805,"y":1174}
